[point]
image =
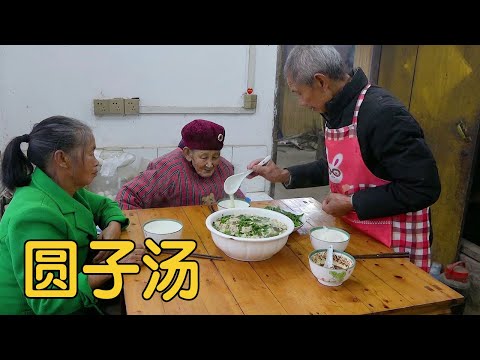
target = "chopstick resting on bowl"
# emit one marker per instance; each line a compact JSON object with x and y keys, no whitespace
{"x":198,"y":255}
{"x":383,"y":255}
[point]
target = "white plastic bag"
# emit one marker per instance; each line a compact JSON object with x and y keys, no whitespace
{"x":116,"y":169}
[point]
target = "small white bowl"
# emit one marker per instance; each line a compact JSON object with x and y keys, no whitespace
{"x":227,"y":204}
{"x":343,"y":262}
{"x":322,"y":237}
{"x":159,"y":229}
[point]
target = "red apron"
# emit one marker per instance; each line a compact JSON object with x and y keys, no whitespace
{"x":349,"y":174}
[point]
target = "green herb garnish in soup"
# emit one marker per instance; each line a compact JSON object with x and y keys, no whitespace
{"x":249,"y":226}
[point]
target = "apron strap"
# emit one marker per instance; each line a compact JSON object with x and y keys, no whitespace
{"x":359,"y":103}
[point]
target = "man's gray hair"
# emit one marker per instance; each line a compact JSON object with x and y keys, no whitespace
{"x":304,"y":61}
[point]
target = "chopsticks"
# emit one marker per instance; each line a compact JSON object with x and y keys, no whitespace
{"x":198,"y":255}
{"x":385,"y":255}
{"x":203,"y":256}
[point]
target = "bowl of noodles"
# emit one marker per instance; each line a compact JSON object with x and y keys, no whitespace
{"x":249,"y":234}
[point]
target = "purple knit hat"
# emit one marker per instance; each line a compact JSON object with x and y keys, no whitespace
{"x":202,"y":135}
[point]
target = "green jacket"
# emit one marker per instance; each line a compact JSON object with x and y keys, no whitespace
{"x":44,"y":211}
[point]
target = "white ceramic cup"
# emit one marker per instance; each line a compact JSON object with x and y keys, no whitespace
{"x":159,"y":229}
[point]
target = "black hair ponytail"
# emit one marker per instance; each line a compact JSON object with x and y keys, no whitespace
{"x":16,"y":168}
{"x":49,"y":135}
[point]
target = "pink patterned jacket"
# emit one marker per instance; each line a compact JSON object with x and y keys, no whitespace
{"x":171,"y":180}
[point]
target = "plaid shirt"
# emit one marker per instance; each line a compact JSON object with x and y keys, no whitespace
{"x":171,"y":180}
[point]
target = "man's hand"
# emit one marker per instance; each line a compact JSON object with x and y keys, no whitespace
{"x":270,"y":172}
{"x":337,"y":204}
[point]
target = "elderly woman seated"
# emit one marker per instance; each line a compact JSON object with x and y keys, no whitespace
{"x":51,"y":206}
{"x":192,"y":174}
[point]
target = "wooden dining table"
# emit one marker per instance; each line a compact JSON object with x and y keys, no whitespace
{"x":284,"y":283}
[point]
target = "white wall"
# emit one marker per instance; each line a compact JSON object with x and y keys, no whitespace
{"x":40,"y":81}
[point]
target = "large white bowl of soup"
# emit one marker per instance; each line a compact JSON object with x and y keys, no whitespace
{"x":249,"y":234}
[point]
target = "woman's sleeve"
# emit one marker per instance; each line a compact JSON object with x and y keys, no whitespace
{"x":104,"y":209}
{"x":45,"y":225}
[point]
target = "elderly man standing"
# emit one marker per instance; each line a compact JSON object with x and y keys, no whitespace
{"x":382,"y":175}
{"x":192,"y":174}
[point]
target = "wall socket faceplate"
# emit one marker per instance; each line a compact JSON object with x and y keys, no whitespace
{"x":249,"y":101}
{"x":101,"y":106}
{"x":132,"y":106}
{"x":116,"y":106}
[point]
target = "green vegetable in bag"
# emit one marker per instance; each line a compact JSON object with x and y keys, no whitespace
{"x":294,"y":217}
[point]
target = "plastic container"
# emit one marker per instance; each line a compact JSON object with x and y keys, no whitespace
{"x":456,"y":276}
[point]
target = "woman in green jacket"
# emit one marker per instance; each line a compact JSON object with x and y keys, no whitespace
{"x":51,"y":204}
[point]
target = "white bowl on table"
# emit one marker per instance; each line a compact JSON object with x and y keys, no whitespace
{"x":227,"y":204}
{"x":249,"y":249}
{"x":343,"y":263}
{"x":322,"y":237}
{"x":160,"y":229}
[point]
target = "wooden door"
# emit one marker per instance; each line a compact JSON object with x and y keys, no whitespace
{"x":440,"y":85}
{"x":295,"y":119}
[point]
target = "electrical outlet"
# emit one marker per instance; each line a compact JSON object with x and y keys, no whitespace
{"x":101,"y":106}
{"x":132,"y":106}
{"x":116,"y":106}
{"x":249,"y":101}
